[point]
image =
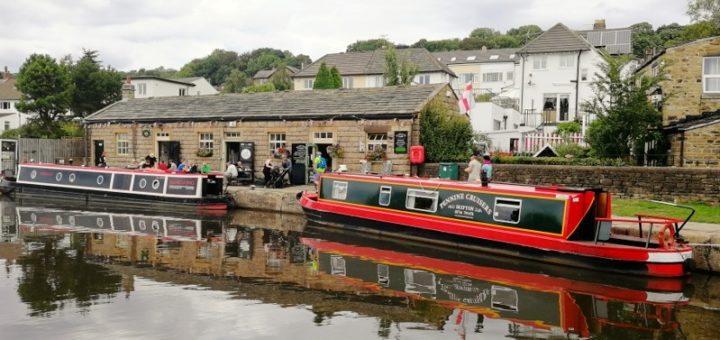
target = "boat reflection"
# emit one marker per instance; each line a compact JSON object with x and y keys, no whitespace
{"x":334,"y":271}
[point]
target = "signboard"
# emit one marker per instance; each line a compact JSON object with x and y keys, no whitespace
{"x":182,"y":185}
{"x":401,"y":142}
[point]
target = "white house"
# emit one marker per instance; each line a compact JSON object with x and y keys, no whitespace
{"x":366,"y":69}
{"x":10,"y":117}
{"x":151,"y":86}
{"x":489,"y":71}
{"x":557,"y":69}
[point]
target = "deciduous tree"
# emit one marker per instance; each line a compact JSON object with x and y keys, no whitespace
{"x":94,"y":86}
{"x":398,"y":72}
{"x":235,"y":82}
{"x":46,"y":89}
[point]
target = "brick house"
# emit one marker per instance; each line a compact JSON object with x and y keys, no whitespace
{"x":212,"y":129}
{"x":692,"y":99}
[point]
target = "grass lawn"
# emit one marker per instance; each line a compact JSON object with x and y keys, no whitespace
{"x":628,"y":207}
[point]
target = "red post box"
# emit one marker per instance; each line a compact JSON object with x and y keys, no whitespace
{"x":417,"y":154}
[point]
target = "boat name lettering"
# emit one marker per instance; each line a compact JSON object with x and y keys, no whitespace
{"x":47,"y":173}
{"x":450,"y":203}
{"x":181,"y":182}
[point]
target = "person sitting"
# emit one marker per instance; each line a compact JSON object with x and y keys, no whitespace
{"x":231,"y":173}
{"x":193,"y":169}
{"x":181,"y":167}
{"x":173,"y":166}
{"x":162,"y":165}
{"x":267,"y":170}
{"x":101,"y":161}
{"x":151,"y":160}
{"x":205,"y":168}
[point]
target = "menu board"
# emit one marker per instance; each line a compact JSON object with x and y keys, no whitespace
{"x":401,"y":142}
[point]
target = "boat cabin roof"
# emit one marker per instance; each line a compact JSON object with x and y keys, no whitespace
{"x":146,"y":171}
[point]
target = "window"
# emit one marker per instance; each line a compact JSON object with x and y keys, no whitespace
{"x":492,"y":77}
{"x":142,"y":89}
{"x":339,"y":190}
{"x":711,"y":75}
{"x":206,"y":141}
{"x":232,"y":134}
{"x":308,"y":83}
{"x":377,"y":140}
{"x":323,"y":135}
{"x":277,"y":140}
{"x":423,"y":79}
{"x":337,"y":265}
{"x":422,"y":200}
{"x":467,"y":77}
{"x":540,"y":62}
{"x":347,"y":82}
{"x":510,"y":76}
{"x":471,"y":58}
{"x":584,"y":74}
{"x":507,"y":210}
{"x":497,"y":125}
{"x":123,"y":143}
{"x":163,"y":134}
{"x":181,"y":92}
{"x":4,"y":105}
{"x":7,"y":125}
{"x":504,"y":298}
{"x":567,"y":60}
{"x":556,"y":107}
{"x":385,"y":194}
{"x":494,"y":57}
{"x":512,"y":56}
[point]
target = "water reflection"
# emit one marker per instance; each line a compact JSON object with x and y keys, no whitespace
{"x":78,"y":258}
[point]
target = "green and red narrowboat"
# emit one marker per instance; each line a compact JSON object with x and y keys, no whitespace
{"x":571,"y":226}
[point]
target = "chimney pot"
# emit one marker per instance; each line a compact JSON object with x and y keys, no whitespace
{"x":599,"y":24}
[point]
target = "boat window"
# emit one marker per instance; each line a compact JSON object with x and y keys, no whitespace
{"x":383,"y":273}
{"x":504,"y":298}
{"x":420,"y":282}
{"x":337,"y":265}
{"x":507,"y":210}
{"x":385,"y":193}
{"x":422,"y":200}
{"x":339,"y":190}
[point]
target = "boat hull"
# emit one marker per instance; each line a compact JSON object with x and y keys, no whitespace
{"x":565,"y":252}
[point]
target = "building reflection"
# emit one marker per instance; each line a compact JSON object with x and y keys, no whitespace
{"x":335,"y":272}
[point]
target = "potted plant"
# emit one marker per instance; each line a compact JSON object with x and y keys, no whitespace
{"x":335,"y":151}
{"x":204,"y":153}
{"x":377,"y":154}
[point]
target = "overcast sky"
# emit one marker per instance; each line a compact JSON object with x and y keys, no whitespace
{"x":131,"y":34}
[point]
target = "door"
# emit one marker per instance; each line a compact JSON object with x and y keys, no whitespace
{"x":299,"y":158}
{"x":169,"y":150}
{"x":9,"y":157}
{"x":232,"y":152}
{"x":99,"y":149}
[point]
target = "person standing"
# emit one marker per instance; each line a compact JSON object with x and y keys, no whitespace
{"x":319,"y":165}
{"x":231,"y":172}
{"x":286,"y":166}
{"x":267,"y":170}
{"x":102,"y":161}
{"x":473,"y":169}
{"x":486,"y":173}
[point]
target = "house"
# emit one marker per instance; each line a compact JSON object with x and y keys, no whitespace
{"x":152,"y":86}
{"x":263,"y":76}
{"x":256,"y":126}
{"x":490,"y":71}
{"x":691,"y":92}
{"x":10,"y":117}
{"x":366,"y":69}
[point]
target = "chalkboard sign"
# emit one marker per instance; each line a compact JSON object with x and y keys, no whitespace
{"x":299,"y":152}
{"x":401,"y":142}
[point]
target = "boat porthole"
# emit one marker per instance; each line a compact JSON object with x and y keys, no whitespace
{"x":142,"y":184}
{"x":156,"y":184}
{"x":155,"y":225}
{"x":100,"y":180}
{"x":142,"y":225}
{"x":58,"y":219}
{"x":33,"y":174}
{"x":71,"y":178}
{"x":71,"y":220}
{"x":58,"y":177}
{"x":99,"y":222}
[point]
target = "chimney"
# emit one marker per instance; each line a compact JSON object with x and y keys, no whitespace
{"x":599,"y":24}
{"x":7,"y":75}
{"x":128,"y":89}
{"x":483,"y":49}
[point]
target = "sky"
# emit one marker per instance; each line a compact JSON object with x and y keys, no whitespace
{"x":133,"y":34}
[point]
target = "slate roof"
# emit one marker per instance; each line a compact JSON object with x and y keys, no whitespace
{"x":8,"y":90}
{"x":265,"y":74}
{"x":366,"y":103}
{"x":175,"y":81}
{"x":694,"y":122}
{"x":373,"y":62}
{"x":558,"y":38}
{"x":503,"y":55}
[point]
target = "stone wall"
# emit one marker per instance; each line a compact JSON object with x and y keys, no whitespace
{"x":700,"y":147}
{"x":661,"y":183}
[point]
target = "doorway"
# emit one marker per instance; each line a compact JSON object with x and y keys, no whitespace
{"x":322,"y":149}
{"x":169,"y":151}
{"x":232,"y":152}
{"x":99,"y":149}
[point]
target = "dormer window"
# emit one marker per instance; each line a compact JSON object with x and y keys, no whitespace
{"x":512,"y":56}
{"x":452,"y":59}
{"x":494,"y":57}
{"x":471,"y":58}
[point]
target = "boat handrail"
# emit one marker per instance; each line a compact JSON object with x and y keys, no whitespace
{"x":604,"y":224}
{"x":685,"y":221}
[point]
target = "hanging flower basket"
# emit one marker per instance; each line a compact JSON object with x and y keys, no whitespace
{"x":204,"y":153}
{"x":335,"y":151}
{"x":279,"y":152}
{"x":378,"y":154}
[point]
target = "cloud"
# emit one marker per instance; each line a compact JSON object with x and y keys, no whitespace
{"x":132,"y":34}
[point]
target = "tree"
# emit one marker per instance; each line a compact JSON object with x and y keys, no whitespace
{"x":524,"y":34}
{"x":446,"y":135}
{"x":643,"y":39}
{"x":335,"y":78}
{"x":396,"y":73}
{"x":705,"y":10}
{"x":368,"y":45}
{"x":265,"y":87}
{"x":281,"y":78}
{"x":94,"y":87}
{"x":625,"y":117}
{"x":438,"y":45}
{"x":235,"y":82}
{"x":46,"y":89}
{"x":323,"y":79}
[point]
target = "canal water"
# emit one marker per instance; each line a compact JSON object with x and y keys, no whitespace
{"x":79,"y":273}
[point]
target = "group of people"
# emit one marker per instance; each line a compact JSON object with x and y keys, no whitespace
{"x":479,"y":172}
{"x":285,"y":167}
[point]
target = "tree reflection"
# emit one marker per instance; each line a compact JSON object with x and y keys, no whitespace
{"x":53,"y":276}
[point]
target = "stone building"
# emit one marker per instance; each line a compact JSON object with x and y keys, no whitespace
{"x":691,"y":93}
{"x":345,"y":125}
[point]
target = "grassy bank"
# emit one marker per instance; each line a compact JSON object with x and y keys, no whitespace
{"x":629,"y":207}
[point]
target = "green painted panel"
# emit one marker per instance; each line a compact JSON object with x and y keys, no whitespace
{"x":537,"y":214}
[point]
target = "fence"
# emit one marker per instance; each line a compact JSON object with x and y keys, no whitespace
{"x":52,"y":150}
{"x":533,"y":142}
